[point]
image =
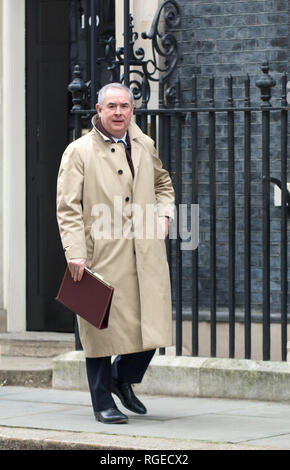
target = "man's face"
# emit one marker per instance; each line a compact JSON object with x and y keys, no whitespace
{"x":116,"y":111}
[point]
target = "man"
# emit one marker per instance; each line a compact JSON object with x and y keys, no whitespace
{"x":113,"y":172}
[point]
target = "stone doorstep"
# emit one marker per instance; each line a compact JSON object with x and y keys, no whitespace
{"x":26,"y":358}
{"x":26,"y":378}
{"x":191,"y":376}
{"x":25,"y":371}
{"x":36,"y":344}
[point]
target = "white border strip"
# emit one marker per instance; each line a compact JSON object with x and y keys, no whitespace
{"x":14,"y":164}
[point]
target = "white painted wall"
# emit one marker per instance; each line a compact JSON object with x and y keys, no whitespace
{"x":13,"y":158}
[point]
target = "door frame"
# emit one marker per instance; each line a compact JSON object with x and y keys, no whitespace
{"x":14,"y":164}
{"x":47,"y":111}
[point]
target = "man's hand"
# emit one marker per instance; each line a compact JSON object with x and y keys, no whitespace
{"x":165,"y":225}
{"x":76,"y":267}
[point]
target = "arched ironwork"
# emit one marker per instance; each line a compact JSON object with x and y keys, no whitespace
{"x":129,"y":64}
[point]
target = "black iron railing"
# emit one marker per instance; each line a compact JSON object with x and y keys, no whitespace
{"x":224,"y":155}
{"x":169,"y":124}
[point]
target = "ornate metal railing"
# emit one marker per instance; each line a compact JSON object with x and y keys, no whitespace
{"x":128,"y":61}
{"x":184,"y":133}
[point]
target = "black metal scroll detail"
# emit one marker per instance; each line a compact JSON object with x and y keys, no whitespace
{"x":164,"y":45}
{"x":164,"y":48}
{"x":143,"y":71}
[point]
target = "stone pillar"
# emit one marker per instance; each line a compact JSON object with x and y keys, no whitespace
{"x":13,"y":157}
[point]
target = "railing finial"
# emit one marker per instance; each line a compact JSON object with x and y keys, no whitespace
{"x":265,"y":83}
{"x":77,"y":88}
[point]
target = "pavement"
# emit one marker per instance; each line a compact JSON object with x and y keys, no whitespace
{"x":49,"y":419}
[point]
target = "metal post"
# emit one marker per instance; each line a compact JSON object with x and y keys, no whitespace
{"x":265,"y":83}
{"x":93,"y":53}
{"x":247,"y":219}
{"x":232,"y":218}
{"x":284,"y":254}
{"x":161,"y":146}
{"x":178,"y":192}
{"x":144,"y":125}
{"x":212,"y":165}
{"x":77,"y":88}
{"x":194,"y":134}
{"x":126,"y":42}
{"x":266,"y":232}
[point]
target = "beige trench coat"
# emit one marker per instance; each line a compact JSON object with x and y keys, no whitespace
{"x":94,"y":178}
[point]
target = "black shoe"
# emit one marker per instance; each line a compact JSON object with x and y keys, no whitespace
{"x":128,"y":399}
{"x":111,"y":416}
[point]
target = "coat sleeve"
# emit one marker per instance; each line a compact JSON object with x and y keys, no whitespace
{"x":69,"y":204}
{"x":164,"y":191}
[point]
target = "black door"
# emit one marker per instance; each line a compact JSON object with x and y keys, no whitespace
{"x":47,"y":46}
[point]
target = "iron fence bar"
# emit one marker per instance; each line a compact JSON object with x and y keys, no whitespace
{"x":219,"y":109}
{"x":232,"y":216}
{"x":194,"y":299}
{"x":266,"y":231}
{"x":247,"y":220}
{"x":143,"y":122}
{"x":78,"y":126}
{"x":164,"y":136}
{"x":78,"y":344}
{"x":170,"y":111}
{"x":212,"y":176}
{"x":167,"y":163}
{"x":161,"y":142}
{"x":127,"y":42}
{"x":93,"y":52}
{"x":153,"y":128}
{"x":138,"y":119}
{"x":178,"y":252}
{"x":161,"y":116}
{"x":166,"y":160}
{"x":78,"y":133}
{"x":284,"y":251}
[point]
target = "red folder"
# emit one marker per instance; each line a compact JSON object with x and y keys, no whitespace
{"x":89,"y":298}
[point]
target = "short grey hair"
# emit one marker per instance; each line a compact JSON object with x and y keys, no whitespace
{"x":103,"y":90}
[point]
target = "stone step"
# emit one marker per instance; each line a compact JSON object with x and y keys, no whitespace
{"x":36,"y":344}
{"x":26,"y":371}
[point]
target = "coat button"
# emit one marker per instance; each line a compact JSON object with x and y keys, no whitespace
{"x":120,"y":172}
{"x":112,"y":150}
{"x":127,"y":199}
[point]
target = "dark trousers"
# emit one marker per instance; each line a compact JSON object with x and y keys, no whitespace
{"x":128,"y":368}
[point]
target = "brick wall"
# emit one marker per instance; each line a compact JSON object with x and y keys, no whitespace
{"x":222,"y":38}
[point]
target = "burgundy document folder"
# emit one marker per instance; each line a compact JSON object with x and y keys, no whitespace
{"x":89,"y":298}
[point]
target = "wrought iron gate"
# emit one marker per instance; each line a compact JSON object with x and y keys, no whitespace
{"x":225,"y":157}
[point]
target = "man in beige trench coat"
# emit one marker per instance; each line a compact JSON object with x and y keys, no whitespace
{"x":114,"y":204}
